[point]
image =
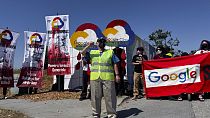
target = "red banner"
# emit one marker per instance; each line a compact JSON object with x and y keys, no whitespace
{"x":8,"y":41}
{"x":173,"y":76}
{"x":30,"y":77}
{"x":32,"y":71}
{"x":58,"y":45}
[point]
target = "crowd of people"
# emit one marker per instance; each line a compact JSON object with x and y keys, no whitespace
{"x":105,"y":77}
{"x":104,"y":71}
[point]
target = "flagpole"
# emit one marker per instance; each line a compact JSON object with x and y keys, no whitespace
{"x":4,"y":58}
{"x":59,"y":76}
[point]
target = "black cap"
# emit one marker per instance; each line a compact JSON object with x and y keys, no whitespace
{"x":101,"y":40}
{"x":140,"y":49}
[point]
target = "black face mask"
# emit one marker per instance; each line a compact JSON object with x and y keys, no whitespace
{"x":204,"y":46}
{"x":101,"y":45}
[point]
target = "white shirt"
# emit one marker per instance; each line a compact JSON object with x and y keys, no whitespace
{"x":201,"y":52}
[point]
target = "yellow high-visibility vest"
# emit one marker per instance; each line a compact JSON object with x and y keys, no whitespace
{"x":101,"y":66}
{"x":169,"y":54}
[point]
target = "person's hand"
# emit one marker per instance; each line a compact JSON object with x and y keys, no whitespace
{"x":139,"y":62}
{"x":90,"y":43}
{"x":117,"y":78}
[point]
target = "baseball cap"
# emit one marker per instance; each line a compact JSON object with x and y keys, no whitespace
{"x":101,"y":40}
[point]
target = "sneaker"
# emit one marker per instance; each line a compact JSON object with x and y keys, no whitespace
{"x":134,"y":97}
{"x":120,"y":94}
{"x":82,"y":98}
{"x":88,"y":96}
{"x":140,"y":96}
{"x":201,"y":98}
{"x":179,"y":98}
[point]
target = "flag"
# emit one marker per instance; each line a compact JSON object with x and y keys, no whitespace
{"x":174,"y":76}
{"x":58,"y":44}
{"x":7,"y":51}
{"x":33,"y":63}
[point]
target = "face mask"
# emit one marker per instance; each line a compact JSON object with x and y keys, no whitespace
{"x":101,"y":45}
{"x":204,"y":46}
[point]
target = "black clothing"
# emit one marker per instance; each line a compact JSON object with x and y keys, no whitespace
{"x":60,"y":85}
{"x":138,"y":68}
{"x":85,"y":84}
{"x":205,"y":45}
{"x":120,"y":89}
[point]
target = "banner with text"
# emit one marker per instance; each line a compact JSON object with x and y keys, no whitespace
{"x":7,"y":50}
{"x":58,"y":44}
{"x":174,"y":76}
{"x":33,"y":63}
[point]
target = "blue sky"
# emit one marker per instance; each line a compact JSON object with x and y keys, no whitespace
{"x":188,"y":20}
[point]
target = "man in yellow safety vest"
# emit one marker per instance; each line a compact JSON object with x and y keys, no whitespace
{"x":102,"y":78}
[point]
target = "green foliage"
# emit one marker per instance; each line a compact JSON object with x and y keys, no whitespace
{"x":160,"y":37}
{"x":16,"y":71}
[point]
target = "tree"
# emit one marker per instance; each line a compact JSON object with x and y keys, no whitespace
{"x":160,"y":37}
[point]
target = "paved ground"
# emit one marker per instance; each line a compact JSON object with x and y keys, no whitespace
{"x":140,"y":108}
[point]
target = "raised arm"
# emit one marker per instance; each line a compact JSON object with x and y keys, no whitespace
{"x":83,"y":52}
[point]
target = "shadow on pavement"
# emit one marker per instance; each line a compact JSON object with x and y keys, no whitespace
{"x":128,"y":112}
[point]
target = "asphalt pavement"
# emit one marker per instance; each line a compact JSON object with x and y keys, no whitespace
{"x":127,"y":108}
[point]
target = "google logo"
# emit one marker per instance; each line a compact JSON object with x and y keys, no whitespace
{"x":35,"y":39}
{"x":55,"y":23}
{"x":6,"y":37}
{"x":173,"y":75}
{"x":120,"y":30}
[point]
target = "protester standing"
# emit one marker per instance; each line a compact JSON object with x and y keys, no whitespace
{"x":102,"y":80}
{"x":137,"y":77}
{"x":4,"y":92}
{"x":160,"y":53}
{"x":204,"y":48}
{"x":86,"y":77}
{"x":120,"y":87}
{"x":169,"y":53}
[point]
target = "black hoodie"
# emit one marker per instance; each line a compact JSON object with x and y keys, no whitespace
{"x":204,"y":46}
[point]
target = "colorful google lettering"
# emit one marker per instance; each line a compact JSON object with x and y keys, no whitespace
{"x":75,"y":36}
{"x":173,"y":75}
{"x":182,"y":76}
